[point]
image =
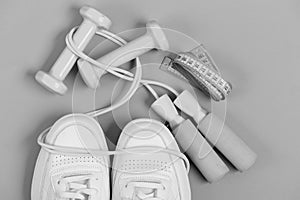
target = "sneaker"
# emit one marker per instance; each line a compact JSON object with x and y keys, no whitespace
{"x":66,"y":168}
{"x":150,"y":165}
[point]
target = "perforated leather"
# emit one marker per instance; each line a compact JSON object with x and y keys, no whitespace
{"x":145,"y":165}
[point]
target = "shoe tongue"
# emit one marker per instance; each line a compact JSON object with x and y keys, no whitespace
{"x":143,"y":186}
{"x":145,"y":193}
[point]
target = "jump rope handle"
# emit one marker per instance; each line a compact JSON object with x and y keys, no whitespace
{"x":229,"y":144}
{"x":200,"y":152}
{"x":191,"y":141}
{"x":217,"y":133}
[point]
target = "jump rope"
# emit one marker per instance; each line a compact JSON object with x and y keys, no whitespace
{"x":200,"y":74}
{"x":136,"y":80}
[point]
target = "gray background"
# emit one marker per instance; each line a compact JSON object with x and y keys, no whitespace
{"x":256,"y":44}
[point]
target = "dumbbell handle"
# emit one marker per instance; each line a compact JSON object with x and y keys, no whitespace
{"x":228,"y":143}
{"x":81,"y":38}
{"x":128,"y":52}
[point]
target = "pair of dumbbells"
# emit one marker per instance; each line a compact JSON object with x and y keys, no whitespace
{"x":94,"y":21}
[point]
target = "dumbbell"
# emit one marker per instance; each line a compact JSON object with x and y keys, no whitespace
{"x":154,"y":38}
{"x":53,"y":80}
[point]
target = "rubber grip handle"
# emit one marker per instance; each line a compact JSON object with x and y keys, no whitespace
{"x":200,"y":152}
{"x":228,"y":143}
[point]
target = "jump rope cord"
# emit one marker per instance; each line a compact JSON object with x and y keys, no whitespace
{"x":118,"y":72}
{"x":136,"y":80}
{"x":134,"y":150}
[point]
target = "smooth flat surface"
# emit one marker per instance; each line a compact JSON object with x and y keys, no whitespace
{"x":256,"y":44}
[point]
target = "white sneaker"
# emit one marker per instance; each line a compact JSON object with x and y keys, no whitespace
{"x":151,"y":166}
{"x":66,"y":168}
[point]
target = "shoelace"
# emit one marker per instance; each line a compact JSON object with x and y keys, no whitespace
{"x":76,"y":187}
{"x":145,"y":190}
{"x":95,"y":152}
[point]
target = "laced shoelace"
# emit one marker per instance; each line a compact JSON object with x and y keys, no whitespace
{"x":76,"y":187}
{"x":145,"y":190}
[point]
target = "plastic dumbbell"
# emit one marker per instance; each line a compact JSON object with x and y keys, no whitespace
{"x":53,"y":80}
{"x":154,"y":38}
